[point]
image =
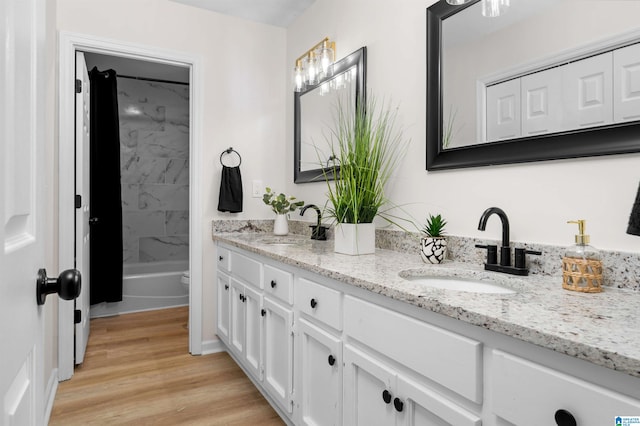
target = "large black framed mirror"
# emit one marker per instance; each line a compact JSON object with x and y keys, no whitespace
{"x":313,"y":114}
{"x":572,"y":36}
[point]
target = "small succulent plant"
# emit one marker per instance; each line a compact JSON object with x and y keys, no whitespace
{"x":434,"y":226}
{"x":280,"y":203}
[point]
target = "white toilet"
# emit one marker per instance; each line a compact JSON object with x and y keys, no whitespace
{"x":185,"y":280}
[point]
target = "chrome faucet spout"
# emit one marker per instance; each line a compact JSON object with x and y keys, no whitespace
{"x":503,"y":217}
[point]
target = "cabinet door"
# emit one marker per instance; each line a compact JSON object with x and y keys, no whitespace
{"x":626,"y":83}
{"x":503,"y":111}
{"x":320,"y":370}
{"x":236,"y":327}
{"x":529,"y":394}
{"x":223,"y":299}
{"x":253,"y":331}
{"x":278,"y":354}
{"x":587,"y":92}
{"x":368,"y":390}
{"x":424,"y":407}
{"x":541,"y":102}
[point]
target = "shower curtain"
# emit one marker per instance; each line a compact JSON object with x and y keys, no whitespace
{"x":106,"y":200}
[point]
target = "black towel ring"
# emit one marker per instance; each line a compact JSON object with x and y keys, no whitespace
{"x":229,"y":151}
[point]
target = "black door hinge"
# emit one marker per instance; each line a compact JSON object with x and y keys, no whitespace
{"x":78,"y":201}
{"x":77,"y":316}
{"x":78,"y":86}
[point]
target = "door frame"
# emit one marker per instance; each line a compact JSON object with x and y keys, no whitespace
{"x":69,"y":43}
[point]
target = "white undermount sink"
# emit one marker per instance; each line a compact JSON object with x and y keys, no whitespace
{"x":460,"y":284}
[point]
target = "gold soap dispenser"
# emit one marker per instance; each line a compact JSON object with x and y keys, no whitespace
{"x":581,"y":264}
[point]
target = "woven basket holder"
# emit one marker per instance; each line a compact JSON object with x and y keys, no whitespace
{"x":583,"y":275}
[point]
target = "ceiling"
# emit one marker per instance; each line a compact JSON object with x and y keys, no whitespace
{"x":280,"y":13}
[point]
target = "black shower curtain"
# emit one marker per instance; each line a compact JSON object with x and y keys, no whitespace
{"x":106,"y":201}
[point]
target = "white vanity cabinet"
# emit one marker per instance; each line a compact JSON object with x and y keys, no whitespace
{"x":396,"y":363}
{"x":529,"y":394}
{"x":328,"y":353}
{"x":319,"y":360}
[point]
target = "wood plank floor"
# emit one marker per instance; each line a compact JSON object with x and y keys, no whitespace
{"x":137,"y":371}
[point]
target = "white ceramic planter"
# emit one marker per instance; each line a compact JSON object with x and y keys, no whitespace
{"x":281,"y":225}
{"x":355,"y":239}
{"x":433,"y":249}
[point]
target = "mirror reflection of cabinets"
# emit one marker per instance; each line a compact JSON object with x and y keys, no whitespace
{"x":314,"y":108}
{"x":550,"y":79}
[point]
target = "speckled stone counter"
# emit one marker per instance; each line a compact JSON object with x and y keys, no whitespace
{"x":601,"y":328}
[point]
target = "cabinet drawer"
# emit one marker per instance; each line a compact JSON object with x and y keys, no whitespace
{"x":247,"y":269}
{"x":526,"y":393}
{"x":319,"y":302}
{"x":278,"y":283}
{"x":223,"y":258}
{"x":447,"y":358}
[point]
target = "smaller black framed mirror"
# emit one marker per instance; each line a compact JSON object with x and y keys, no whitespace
{"x":313,"y":159}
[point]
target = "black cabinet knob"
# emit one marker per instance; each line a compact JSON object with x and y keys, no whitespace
{"x":398,"y":404}
{"x":313,"y":303}
{"x":263,"y":312}
{"x":242,"y":298}
{"x":331,"y":360}
{"x":226,"y":286}
{"x":67,"y":285}
{"x":220,"y":258}
{"x":273,"y":283}
{"x":565,"y":418}
{"x":386,"y":396}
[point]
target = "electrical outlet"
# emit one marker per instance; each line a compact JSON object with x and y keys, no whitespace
{"x":256,"y":189}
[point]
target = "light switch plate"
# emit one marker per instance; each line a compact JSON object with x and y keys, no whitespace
{"x":256,"y":189}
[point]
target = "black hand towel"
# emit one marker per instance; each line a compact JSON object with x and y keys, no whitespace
{"x":230,"y":199}
{"x":634,"y":219}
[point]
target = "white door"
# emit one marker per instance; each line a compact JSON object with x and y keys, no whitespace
{"x":223,"y":307}
{"x":278,"y":353}
{"x":369,"y":390}
{"x":253,"y":331}
{"x":82,"y":203}
{"x":22,"y":144}
{"x":320,"y":372}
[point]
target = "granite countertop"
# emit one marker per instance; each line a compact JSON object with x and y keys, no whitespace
{"x":602,"y":328}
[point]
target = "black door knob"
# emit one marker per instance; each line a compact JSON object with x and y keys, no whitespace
{"x":67,"y":285}
{"x":565,"y":418}
{"x":273,"y":284}
{"x":331,"y":360}
{"x":399,"y":405}
{"x":313,"y":303}
{"x":386,"y":396}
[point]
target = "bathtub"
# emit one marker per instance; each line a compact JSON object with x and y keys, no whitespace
{"x":147,"y":286}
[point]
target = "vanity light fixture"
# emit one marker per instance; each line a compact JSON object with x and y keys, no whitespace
{"x":314,"y":64}
{"x":494,"y":8}
{"x":490,"y":8}
{"x":458,"y":2}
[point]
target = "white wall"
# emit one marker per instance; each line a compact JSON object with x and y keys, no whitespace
{"x":243,"y":95}
{"x":538,"y":197}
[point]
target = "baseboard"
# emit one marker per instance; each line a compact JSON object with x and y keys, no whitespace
{"x":212,"y":346}
{"x":50,"y":394}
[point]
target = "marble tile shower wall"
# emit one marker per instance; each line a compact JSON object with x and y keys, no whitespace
{"x":154,"y":151}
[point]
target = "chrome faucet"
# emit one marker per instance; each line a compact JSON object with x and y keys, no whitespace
{"x":505,"y":250}
{"x":318,"y":231}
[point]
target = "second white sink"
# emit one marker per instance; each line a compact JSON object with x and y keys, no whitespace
{"x":460,"y":284}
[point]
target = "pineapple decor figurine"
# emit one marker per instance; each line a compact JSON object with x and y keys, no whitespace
{"x":433,"y":245}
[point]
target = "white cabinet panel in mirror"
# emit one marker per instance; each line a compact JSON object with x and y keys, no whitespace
{"x":523,"y":46}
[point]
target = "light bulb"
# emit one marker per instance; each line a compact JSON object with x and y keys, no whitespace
{"x":298,"y":79}
{"x":326,"y":59}
{"x":312,"y":69}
